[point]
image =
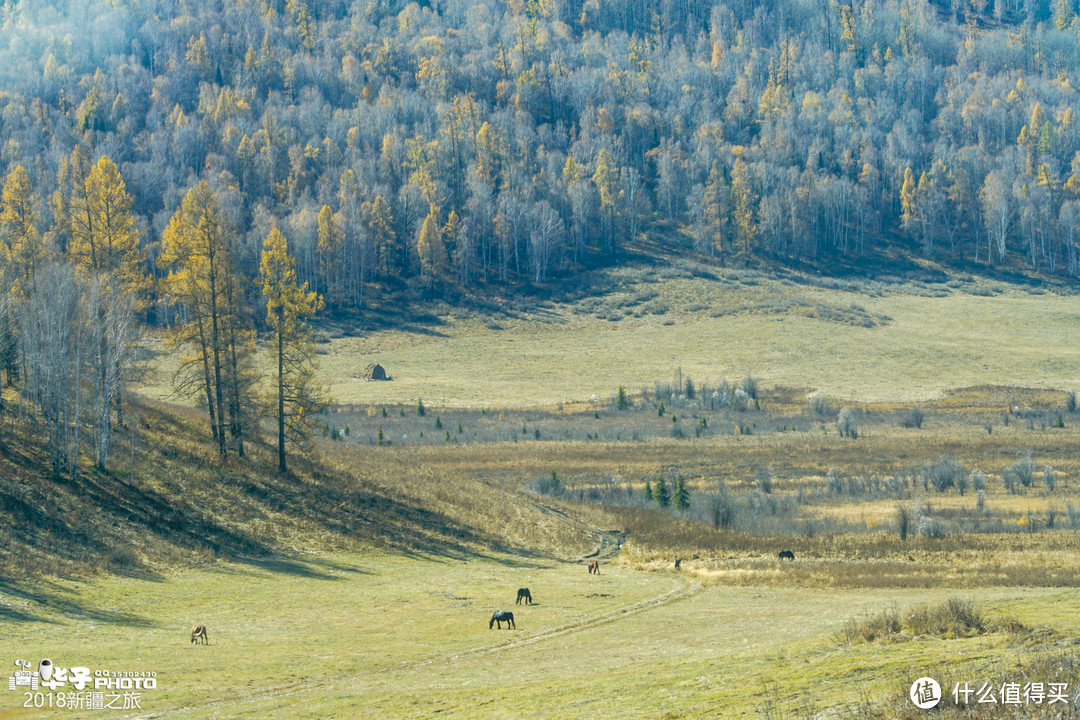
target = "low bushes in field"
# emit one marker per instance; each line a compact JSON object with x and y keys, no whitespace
{"x":547,"y":485}
{"x":1019,"y":475}
{"x":838,"y":484}
{"x":913,"y":418}
{"x":954,"y":618}
{"x":759,"y":512}
{"x":819,"y":405}
{"x":1024,"y":474}
{"x":847,"y":424}
{"x":945,"y":473}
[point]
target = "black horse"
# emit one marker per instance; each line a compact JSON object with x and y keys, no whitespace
{"x":524,"y":594}
{"x":786,"y":555}
{"x":501,"y":616}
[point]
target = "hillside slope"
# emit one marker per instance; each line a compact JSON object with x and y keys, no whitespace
{"x":184,"y":507}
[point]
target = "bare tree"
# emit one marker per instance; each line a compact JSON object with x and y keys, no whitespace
{"x":847,"y":424}
{"x":544,"y":237}
{"x":52,"y":335}
{"x":111,"y":335}
{"x":997,"y":213}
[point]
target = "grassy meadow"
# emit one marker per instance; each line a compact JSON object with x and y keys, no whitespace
{"x":862,"y":341}
{"x":347,"y":635}
{"x":360,"y":584}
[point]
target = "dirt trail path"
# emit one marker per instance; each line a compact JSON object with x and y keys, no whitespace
{"x":608,"y":542}
{"x":680,"y":593}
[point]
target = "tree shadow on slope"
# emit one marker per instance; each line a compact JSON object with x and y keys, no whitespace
{"x":184,"y":508}
{"x":55,"y":600}
{"x":350,"y":509}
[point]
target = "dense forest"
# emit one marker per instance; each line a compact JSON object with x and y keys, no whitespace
{"x":453,"y":143}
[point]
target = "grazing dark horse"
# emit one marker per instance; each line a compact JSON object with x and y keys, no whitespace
{"x":786,"y":555}
{"x":500,"y":617}
{"x":524,"y":594}
{"x":678,"y":563}
{"x":594,"y":567}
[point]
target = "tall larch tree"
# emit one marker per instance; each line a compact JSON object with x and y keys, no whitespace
{"x":381,"y":222}
{"x":431,"y":248}
{"x":197,"y":253}
{"x":108,"y":242}
{"x":744,"y":202}
{"x":297,"y":398}
{"x":70,"y":209}
{"x":713,"y":212}
{"x":329,"y":249}
{"x":24,"y":249}
{"x":606,"y":180}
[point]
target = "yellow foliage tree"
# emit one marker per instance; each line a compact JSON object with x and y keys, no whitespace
{"x":297,"y":398}
{"x":22,"y":247}
{"x":381,"y":222}
{"x":714,"y":210}
{"x":331,"y":242}
{"x":488,"y":153}
{"x":571,"y":171}
{"x":431,"y":248}
{"x":104,"y":239}
{"x":744,"y":200}
{"x":197,"y":251}
{"x":606,"y":180}
{"x":908,"y":206}
{"x":69,"y":200}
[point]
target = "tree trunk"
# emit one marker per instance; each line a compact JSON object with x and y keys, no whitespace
{"x":281,"y":390}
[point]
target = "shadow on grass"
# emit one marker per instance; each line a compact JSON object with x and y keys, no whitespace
{"x":10,"y":614}
{"x":199,"y":508}
{"x":313,"y":569}
{"x":54,"y":600}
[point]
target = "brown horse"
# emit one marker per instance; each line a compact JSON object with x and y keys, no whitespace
{"x":594,"y":567}
{"x":199,"y":631}
{"x":524,"y":594}
{"x":502,"y":616}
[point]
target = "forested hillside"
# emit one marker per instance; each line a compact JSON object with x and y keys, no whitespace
{"x":456,"y":143}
